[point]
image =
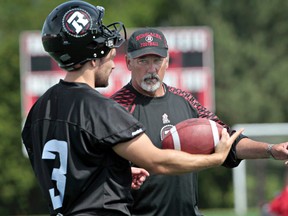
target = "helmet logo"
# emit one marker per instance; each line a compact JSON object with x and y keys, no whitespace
{"x":76,"y":22}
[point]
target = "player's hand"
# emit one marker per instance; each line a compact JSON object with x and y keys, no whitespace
{"x":139,"y":175}
{"x":225,"y":143}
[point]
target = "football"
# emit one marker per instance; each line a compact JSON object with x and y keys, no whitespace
{"x":195,"y":136}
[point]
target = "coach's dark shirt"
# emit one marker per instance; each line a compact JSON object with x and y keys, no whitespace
{"x":173,"y":194}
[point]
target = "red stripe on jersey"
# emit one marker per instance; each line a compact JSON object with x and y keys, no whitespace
{"x":126,"y":98}
{"x":203,"y":111}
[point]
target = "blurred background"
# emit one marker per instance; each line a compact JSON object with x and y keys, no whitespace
{"x":249,"y":64}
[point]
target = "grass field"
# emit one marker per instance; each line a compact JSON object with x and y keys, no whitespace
{"x":228,"y":212}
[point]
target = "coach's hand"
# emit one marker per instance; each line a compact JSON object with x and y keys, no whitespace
{"x":279,"y":151}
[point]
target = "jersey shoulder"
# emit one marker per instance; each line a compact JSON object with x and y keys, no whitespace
{"x":188,"y":96}
{"x":125,"y":97}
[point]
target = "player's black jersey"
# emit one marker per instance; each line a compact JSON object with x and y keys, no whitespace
{"x":69,"y":134}
{"x":166,"y":195}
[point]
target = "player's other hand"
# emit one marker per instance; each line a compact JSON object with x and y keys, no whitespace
{"x":139,"y":175}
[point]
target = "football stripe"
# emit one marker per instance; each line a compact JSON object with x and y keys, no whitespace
{"x":214,"y":132}
{"x":175,"y":137}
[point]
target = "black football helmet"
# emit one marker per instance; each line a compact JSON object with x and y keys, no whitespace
{"x":73,"y":33}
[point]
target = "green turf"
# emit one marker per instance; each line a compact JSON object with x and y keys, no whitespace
{"x":228,"y":212}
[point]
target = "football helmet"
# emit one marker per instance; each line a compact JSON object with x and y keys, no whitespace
{"x":73,"y":33}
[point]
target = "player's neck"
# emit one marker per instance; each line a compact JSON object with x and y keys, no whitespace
{"x":79,"y":78}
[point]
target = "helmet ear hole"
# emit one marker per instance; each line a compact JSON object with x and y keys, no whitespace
{"x":92,"y":45}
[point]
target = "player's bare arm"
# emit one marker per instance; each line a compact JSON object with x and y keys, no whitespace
{"x":171,"y":161}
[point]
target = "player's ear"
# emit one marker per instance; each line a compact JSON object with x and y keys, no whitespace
{"x":94,"y":62}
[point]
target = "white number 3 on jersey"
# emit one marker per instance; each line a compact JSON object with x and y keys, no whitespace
{"x":58,"y":174}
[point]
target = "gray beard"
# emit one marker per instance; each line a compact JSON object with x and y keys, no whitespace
{"x":145,"y":85}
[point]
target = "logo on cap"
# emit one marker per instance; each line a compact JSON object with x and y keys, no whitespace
{"x":76,"y":22}
{"x":149,"y":38}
